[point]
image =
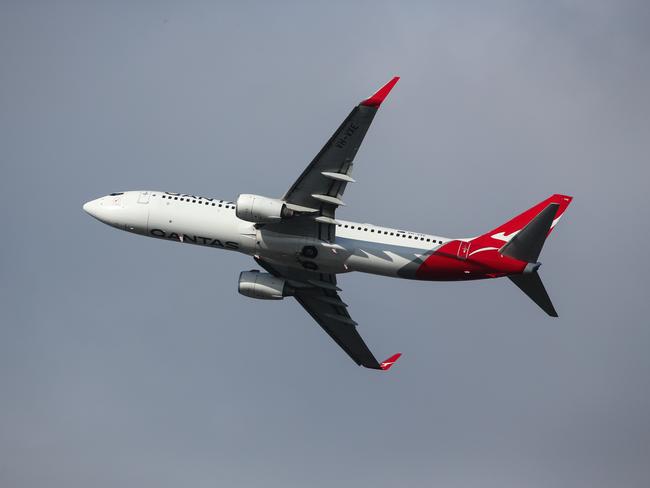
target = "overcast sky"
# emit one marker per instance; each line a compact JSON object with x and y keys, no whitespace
{"x":133,"y":362}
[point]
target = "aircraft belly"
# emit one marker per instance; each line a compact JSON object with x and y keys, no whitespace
{"x":296,"y":252}
{"x":385,"y":260}
{"x":344,"y":256}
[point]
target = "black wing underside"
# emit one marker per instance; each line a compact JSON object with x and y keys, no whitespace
{"x":321,"y":185}
{"x":314,"y":197}
{"x":318,"y":295}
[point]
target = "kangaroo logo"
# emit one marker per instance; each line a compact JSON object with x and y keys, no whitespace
{"x":501,"y":236}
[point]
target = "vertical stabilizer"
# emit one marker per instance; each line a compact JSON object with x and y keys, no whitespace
{"x":522,"y":238}
{"x":504,"y":233}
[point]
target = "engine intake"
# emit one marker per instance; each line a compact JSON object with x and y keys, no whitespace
{"x":263,"y":286}
{"x":261,"y":210}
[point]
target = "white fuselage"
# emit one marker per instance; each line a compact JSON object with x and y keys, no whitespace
{"x":212,"y":223}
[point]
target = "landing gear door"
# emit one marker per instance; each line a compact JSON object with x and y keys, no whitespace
{"x":463,"y":249}
{"x":144,"y":197}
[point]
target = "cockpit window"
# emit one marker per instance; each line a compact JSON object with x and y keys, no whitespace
{"x":116,"y":193}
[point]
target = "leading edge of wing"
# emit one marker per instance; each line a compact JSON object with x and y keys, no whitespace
{"x":381,"y":94}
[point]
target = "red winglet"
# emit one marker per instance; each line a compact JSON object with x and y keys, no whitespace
{"x":386,"y":365}
{"x":382,"y":93}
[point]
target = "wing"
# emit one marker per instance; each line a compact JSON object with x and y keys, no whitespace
{"x":320,"y":299}
{"x":319,"y":188}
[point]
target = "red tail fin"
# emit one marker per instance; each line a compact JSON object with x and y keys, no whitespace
{"x":507,"y":231}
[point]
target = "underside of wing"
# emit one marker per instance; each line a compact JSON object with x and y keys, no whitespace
{"x":318,"y":191}
{"x":318,"y":295}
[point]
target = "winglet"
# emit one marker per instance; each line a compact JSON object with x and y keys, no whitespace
{"x":386,"y":365}
{"x":382,"y":93}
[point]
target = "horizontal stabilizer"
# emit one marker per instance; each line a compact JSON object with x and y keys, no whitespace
{"x":531,"y":284}
{"x":527,"y":244}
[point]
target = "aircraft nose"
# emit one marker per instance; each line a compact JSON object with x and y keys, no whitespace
{"x":120,"y":210}
{"x":91,"y":207}
{"x":103,"y":209}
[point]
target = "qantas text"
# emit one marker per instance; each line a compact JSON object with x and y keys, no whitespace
{"x":203,"y":241}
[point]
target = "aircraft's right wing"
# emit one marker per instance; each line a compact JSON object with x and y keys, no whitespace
{"x":317,"y":293}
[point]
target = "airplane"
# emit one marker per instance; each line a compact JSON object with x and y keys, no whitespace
{"x":302,"y":246}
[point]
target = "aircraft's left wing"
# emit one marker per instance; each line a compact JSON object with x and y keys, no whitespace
{"x":319,"y":188}
{"x":318,"y":294}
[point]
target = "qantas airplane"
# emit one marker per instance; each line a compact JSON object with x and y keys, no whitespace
{"x":302,"y":245}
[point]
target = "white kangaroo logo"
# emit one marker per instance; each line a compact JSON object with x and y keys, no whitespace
{"x":501,"y":236}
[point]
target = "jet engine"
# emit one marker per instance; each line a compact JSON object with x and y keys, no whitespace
{"x":261,"y":210}
{"x":263,"y":286}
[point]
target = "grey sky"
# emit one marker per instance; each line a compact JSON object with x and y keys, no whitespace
{"x":127,"y":361}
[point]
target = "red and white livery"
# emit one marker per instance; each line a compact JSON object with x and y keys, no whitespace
{"x":302,"y":246}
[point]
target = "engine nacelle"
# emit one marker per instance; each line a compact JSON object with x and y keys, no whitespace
{"x":263,"y":286}
{"x":261,"y":210}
